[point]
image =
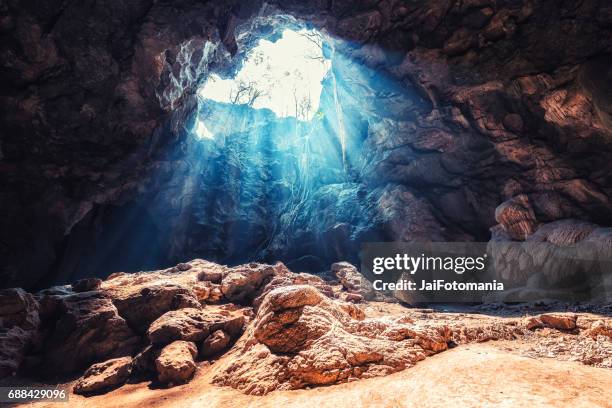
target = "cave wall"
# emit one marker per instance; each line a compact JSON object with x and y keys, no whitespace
{"x":515,"y":131}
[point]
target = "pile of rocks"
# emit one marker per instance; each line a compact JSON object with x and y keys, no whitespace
{"x":283,"y":330}
{"x":148,"y":324}
{"x":159,"y":324}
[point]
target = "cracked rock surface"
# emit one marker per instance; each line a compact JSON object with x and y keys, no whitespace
{"x":297,"y":331}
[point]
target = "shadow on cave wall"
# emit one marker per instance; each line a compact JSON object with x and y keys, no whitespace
{"x":110,"y":238}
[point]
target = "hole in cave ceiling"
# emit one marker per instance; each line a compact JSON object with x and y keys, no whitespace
{"x":281,"y":169}
{"x":284,"y":76}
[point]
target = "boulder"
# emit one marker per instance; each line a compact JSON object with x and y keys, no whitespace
{"x":215,"y":344}
{"x":352,"y":280}
{"x":90,"y":330}
{"x":140,"y":306}
{"x":175,"y":364}
{"x":559,"y":321}
{"x":517,"y":218}
{"x":302,"y":338}
{"x":195,"y":325}
{"x":242,"y":283}
{"x":290,"y":279}
{"x":600,"y":328}
{"x":532,"y":323}
{"x":103,"y":376}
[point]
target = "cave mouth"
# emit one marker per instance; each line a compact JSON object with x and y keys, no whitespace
{"x":287,"y":168}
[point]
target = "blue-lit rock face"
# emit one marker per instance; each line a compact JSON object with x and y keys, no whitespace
{"x":308,"y":189}
{"x":462,"y":121}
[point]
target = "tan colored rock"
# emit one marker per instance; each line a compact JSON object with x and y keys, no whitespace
{"x":559,"y":321}
{"x":103,"y":376}
{"x":286,"y":278}
{"x":140,"y":307}
{"x":143,"y":297}
{"x":600,"y":328}
{"x":352,"y":280}
{"x":532,"y":323}
{"x":300,"y":337}
{"x":242,"y":283}
{"x":215,"y":344}
{"x":175,"y":364}
{"x":195,"y":325}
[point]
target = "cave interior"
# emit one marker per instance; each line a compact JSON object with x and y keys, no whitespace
{"x":135,"y":137}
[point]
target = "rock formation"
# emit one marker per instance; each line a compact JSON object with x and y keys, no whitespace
{"x":289,"y":331}
{"x":301,"y":338}
{"x":175,"y":363}
{"x":103,"y":376}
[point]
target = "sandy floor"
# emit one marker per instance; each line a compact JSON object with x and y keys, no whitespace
{"x":476,"y":375}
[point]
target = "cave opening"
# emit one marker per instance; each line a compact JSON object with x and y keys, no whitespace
{"x":279,"y":146}
{"x":283,"y":157}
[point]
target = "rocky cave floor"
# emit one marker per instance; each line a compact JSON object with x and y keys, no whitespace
{"x":261,"y":335}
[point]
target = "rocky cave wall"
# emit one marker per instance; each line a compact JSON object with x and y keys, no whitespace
{"x":513,"y":131}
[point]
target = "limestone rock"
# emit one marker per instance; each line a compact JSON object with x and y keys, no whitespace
{"x":140,"y":306}
{"x":352,"y":280}
{"x":175,"y":364}
{"x":560,"y":321}
{"x":302,"y":338}
{"x":194,"y":325}
{"x":103,"y":376}
{"x":477,"y":64}
{"x":242,"y":282}
{"x":517,"y":218}
{"x":89,"y":331}
{"x":215,"y":344}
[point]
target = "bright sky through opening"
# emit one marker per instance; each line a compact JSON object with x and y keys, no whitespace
{"x":284,"y":76}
